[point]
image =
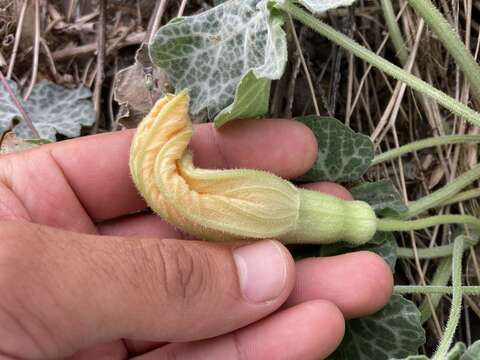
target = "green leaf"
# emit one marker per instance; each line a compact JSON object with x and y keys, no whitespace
{"x":473,"y":352}
{"x":380,"y":237}
{"x":386,"y":249}
{"x":381,"y":196}
{"x":319,"y":6}
{"x":393,"y":332}
{"x":343,"y":155}
{"x":457,"y":351}
{"x":251,"y":100}
{"x":211,"y":52}
{"x":52,"y":109}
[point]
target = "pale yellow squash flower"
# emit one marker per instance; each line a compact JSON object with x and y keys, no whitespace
{"x":232,"y":204}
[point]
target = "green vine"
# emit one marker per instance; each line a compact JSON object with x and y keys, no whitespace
{"x":431,"y":289}
{"x":394,"y":31}
{"x":441,"y":277}
{"x":433,"y":252}
{"x":440,"y":196}
{"x":409,"y":225}
{"x":450,"y":39}
{"x":456,"y":307}
{"x":424,"y":144}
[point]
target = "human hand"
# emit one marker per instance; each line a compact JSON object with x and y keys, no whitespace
{"x":80,"y":274}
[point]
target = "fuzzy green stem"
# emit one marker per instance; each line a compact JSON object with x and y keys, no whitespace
{"x":452,"y":42}
{"x":394,"y":31}
{"x":442,"y":275}
{"x":438,"y":197}
{"x":409,"y":225}
{"x":404,"y":290}
{"x":396,"y":72}
{"x":463,"y":196}
{"x":423,"y":144}
{"x":434,"y":252}
{"x":456,"y":306}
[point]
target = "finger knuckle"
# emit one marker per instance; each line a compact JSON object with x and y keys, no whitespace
{"x":183,"y":273}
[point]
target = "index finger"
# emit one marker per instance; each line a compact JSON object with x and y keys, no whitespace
{"x":96,"y":167}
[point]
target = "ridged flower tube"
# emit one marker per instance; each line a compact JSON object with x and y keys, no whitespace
{"x":232,"y":204}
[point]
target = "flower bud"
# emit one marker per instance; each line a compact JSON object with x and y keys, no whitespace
{"x":232,"y":204}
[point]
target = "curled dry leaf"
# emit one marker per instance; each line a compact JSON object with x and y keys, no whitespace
{"x":137,"y":87}
{"x":10,"y":143}
{"x":436,"y":176}
{"x":232,"y":204}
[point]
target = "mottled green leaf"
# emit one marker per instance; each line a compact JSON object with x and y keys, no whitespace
{"x":211,"y":52}
{"x":380,"y":237}
{"x":251,"y":100}
{"x":319,"y":6}
{"x":382,"y":197}
{"x":52,"y":109}
{"x":386,"y":249}
{"x":393,"y":332}
{"x":457,"y":351}
{"x":343,"y":155}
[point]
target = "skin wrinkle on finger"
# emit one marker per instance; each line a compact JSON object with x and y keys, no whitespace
{"x":213,"y":136}
{"x":140,"y":225}
{"x":88,"y":223}
{"x":43,"y":192}
{"x":11,"y":207}
{"x":109,"y":351}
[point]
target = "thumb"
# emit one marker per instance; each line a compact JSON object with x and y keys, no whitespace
{"x":61,"y":292}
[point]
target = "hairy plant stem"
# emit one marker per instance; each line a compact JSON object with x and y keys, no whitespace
{"x":456,"y":306}
{"x":450,"y":39}
{"x":463,"y":196}
{"x":434,"y":252}
{"x":445,"y":193}
{"x":387,"y":224}
{"x":432,"y":289}
{"x":441,"y":277}
{"x":394,"y":31}
{"x":423,"y":144}
{"x":370,"y":57}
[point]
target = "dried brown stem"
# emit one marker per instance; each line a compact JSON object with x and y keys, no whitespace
{"x":19,"y":106}
{"x":36,"y":51}
{"x":71,"y":51}
{"x":97,"y":92}
{"x":18,"y":35}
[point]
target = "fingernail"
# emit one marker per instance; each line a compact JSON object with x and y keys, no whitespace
{"x":262,"y":270}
